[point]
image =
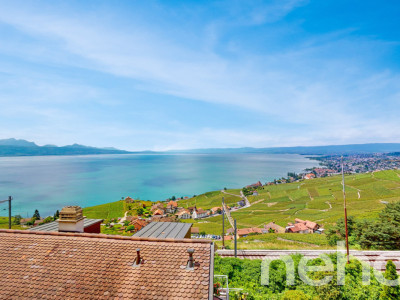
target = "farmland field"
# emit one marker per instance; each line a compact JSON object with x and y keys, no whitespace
{"x":319,"y":200}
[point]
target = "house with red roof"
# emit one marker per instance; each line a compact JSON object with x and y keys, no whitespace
{"x":301,"y":226}
{"x":172,"y":207}
{"x":183,"y":214}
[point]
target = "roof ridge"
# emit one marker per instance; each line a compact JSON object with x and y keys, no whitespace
{"x":105,"y":236}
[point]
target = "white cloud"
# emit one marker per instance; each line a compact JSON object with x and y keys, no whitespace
{"x":297,"y":86}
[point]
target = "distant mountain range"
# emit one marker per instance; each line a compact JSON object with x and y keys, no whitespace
{"x":308,"y":150}
{"x":13,"y":147}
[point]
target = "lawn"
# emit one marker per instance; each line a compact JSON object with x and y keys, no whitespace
{"x":105,"y":211}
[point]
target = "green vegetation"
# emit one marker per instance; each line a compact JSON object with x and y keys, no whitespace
{"x":105,"y":211}
{"x":319,"y":200}
{"x":116,"y":230}
{"x":4,"y":223}
{"x":246,"y":274}
{"x":212,"y":199}
{"x":381,"y":234}
{"x":285,"y":241}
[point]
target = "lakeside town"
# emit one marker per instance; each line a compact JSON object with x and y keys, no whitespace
{"x":173,"y":221}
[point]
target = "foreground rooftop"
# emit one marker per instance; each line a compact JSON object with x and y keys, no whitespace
{"x":87,"y":266}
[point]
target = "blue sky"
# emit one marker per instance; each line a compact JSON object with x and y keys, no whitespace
{"x":164,"y":75}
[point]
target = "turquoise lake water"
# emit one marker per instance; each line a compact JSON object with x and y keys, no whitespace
{"x":50,"y":182}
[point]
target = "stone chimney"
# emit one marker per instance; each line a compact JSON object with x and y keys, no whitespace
{"x":71,"y":219}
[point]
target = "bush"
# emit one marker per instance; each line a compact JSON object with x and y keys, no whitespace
{"x":130,"y":228}
{"x":294,"y":295}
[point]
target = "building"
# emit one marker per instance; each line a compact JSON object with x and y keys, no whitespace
{"x":183,"y":214}
{"x":298,"y":228}
{"x":129,"y":200}
{"x":71,"y":220}
{"x":199,"y":213}
{"x":246,"y":231}
{"x":195,"y":230}
{"x":271,"y":226}
{"x":59,"y":265}
{"x":172,"y":207}
{"x":158,"y":212}
{"x":255,"y":185}
{"x":157,"y":206}
{"x":216,"y":210}
{"x":301,"y":226}
{"x":309,"y":176}
{"x":138,"y":223}
{"x":165,"y":230}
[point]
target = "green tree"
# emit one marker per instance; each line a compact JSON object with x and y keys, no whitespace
{"x":47,"y":220}
{"x":391,"y":213}
{"x":130,"y":228}
{"x":17,"y":220}
{"x":391,"y":292}
{"x":139,"y":211}
{"x":338,"y":232}
{"x":36,"y":215}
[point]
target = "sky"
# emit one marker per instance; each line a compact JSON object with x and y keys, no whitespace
{"x":162,"y":75}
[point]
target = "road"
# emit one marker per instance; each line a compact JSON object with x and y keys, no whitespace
{"x":379,"y":258}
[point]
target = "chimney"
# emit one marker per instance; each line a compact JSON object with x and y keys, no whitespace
{"x":137,"y":256}
{"x":190,"y":263}
{"x":71,"y":219}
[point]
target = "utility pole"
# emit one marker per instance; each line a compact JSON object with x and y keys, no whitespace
{"x":223,"y":223}
{"x":9,"y":210}
{"x":235,"y":239}
{"x":345,"y":214}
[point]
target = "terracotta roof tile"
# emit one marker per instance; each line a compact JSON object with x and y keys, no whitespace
{"x":95,"y":266}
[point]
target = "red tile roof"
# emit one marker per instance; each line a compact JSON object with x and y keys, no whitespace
{"x":246,"y":231}
{"x":172,"y":204}
{"x":298,"y":227}
{"x":97,"y":266}
{"x":158,"y":212}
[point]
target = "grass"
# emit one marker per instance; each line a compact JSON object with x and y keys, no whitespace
{"x":285,"y":202}
{"x":4,"y":224}
{"x":282,"y":241}
{"x":105,"y":211}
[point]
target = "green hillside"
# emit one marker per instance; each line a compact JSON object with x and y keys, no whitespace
{"x":105,"y":211}
{"x":319,"y":200}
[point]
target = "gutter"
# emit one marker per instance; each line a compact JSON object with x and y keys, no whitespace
{"x":211,"y":285}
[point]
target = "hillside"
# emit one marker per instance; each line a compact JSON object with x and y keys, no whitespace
{"x":307,"y":150}
{"x":318,"y":200}
{"x":13,"y":147}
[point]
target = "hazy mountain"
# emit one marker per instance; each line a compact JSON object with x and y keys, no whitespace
{"x":13,"y":147}
{"x":15,"y":142}
{"x":307,"y":150}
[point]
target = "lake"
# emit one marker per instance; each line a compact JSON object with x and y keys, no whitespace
{"x":48,"y":183}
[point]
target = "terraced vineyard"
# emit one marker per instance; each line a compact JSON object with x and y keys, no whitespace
{"x":319,"y":200}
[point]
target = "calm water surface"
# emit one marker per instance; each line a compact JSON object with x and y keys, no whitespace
{"x":50,"y":182}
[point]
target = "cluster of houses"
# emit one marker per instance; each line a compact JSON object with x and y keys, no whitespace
{"x":299,"y":226}
{"x":172,"y":208}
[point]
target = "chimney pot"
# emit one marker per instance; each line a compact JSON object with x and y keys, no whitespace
{"x":190,"y":264}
